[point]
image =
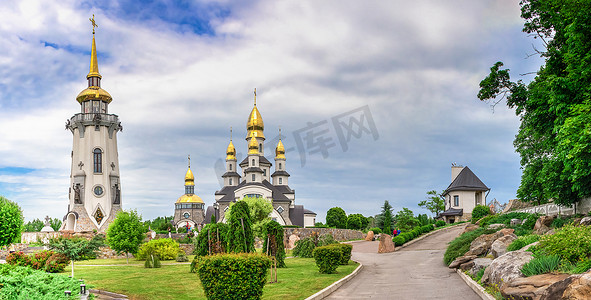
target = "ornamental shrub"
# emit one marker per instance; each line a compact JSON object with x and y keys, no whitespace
{"x":18,"y":259}
{"x":558,"y":223}
{"x":541,"y":265}
{"x":233,"y":276}
{"x":582,"y":266}
{"x":304,"y":248}
{"x":530,"y":221}
{"x":56,"y":263}
{"x":479,"y":211}
{"x":25,"y":283}
{"x":523,"y":241}
{"x":40,"y":258}
{"x":398,"y":240}
{"x":11,"y":222}
{"x":376,"y":230}
{"x":326,"y":239}
{"x":207,"y":240}
{"x":240,"y":234}
{"x":165,"y":249}
{"x":274,"y":231}
{"x":327,"y":258}
{"x":182,"y":257}
{"x":439,"y":223}
{"x":345,"y":252}
{"x":570,"y":243}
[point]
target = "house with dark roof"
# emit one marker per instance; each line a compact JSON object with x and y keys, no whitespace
{"x":255,"y":180}
{"x":464,"y":192}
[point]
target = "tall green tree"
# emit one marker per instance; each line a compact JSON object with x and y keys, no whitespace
{"x":55,"y":224}
{"x":33,"y":226}
{"x":126,"y":232}
{"x":77,"y":248}
{"x":259,"y":209}
{"x":385,"y":219}
{"x":11,"y":222}
{"x":356,"y":221}
{"x":336,"y":217}
{"x":555,"y":133}
{"x":240,"y":235}
{"x":434,"y":203}
{"x":405,"y":219}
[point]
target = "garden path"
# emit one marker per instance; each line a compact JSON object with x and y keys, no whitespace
{"x":413,"y":272}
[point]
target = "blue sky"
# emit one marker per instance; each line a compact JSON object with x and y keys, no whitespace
{"x":182,"y":73}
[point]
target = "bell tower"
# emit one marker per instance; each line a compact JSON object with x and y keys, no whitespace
{"x":95,"y":188}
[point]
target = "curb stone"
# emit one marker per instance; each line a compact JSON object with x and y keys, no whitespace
{"x":331,"y":288}
{"x":109,"y":294}
{"x":477,"y":288}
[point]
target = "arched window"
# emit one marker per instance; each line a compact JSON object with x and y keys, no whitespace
{"x":230,"y":167}
{"x":260,"y":147}
{"x":253,"y":177}
{"x":279,"y":166}
{"x":280,"y":180}
{"x":230,"y":181}
{"x":253,"y":162}
{"x":98,"y":160}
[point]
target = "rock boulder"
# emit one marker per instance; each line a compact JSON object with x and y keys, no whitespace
{"x":461,"y":260}
{"x":585,"y":221}
{"x":515,"y":222}
{"x":495,"y":226}
{"x":369,"y":236}
{"x":479,"y":264}
{"x":470,"y":227}
{"x":386,"y":245}
{"x":543,"y":286}
{"x":506,"y":267}
{"x":579,"y":288}
{"x":499,"y":246}
{"x":543,"y":224}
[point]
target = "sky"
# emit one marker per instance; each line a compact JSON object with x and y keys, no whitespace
{"x":375,"y":99}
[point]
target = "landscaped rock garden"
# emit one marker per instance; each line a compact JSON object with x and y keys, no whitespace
{"x":526,"y":256}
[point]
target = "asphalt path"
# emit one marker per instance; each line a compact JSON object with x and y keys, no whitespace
{"x":413,"y":272}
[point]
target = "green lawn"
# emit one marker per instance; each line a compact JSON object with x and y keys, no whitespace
{"x":298,"y":281}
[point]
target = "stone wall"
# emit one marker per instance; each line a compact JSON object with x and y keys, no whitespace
{"x":291,"y":235}
{"x":33,"y":237}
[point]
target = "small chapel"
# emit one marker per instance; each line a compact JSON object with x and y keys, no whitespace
{"x":188,"y":209}
{"x":254,"y":179}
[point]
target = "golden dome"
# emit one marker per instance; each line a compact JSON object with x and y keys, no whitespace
{"x":255,"y":125}
{"x":231,"y":152}
{"x":94,"y":93}
{"x":280,"y":151}
{"x":189,"y":178}
{"x":253,"y":146}
{"x":189,"y":199}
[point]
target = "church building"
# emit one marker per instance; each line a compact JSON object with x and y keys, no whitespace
{"x":95,"y":189}
{"x":188,"y":209}
{"x":254,"y":179}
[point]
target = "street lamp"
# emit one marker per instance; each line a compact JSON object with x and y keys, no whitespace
{"x":216,"y":206}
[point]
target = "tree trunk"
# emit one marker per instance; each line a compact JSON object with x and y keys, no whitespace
{"x":127,"y":257}
{"x":72,"y":261}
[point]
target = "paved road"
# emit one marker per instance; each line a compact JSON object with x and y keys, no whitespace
{"x":414,"y":272}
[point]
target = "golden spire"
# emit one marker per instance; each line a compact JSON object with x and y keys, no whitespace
{"x":255,"y":125}
{"x":230,"y":151}
{"x":280,"y":150}
{"x":189,"y":178}
{"x":94,"y":71}
{"x":253,"y":147}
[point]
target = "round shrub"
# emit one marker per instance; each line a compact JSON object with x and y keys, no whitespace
{"x":345,"y":252}
{"x":440,"y":223}
{"x":12,"y":221}
{"x":327,"y":258}
{"x":18,"y":259}
{"x":56,"y":263}
{"x":165,"y":249}
{"x":376,"y":230}
{"x":182,"y":257}
{"x":398,"y":240}
{"x":570,"y":242}
{"x":479,"y":211}
{"x":336,"y":217}
{"x":233,"y":276}
{"x":304,"y":248}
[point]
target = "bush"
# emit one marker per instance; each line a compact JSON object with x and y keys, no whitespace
{"x":345,"y":252}
{"x":479,"y":211}
{"x":558,"y":223}
{"x":304,"y":248}
{"x":376,"y":230}
{"x":439,"y":223}
{"x":274,"y":231}
{"x":165,"y":249}
{"x":326,"y":239}
{"x":523,"y":241}
{"x":530,"y":221}
{"x":208,"y":239}
{"x":570,"y":243}
{"x":152,"y":261}
{"x":40,"y":258}
{"x":582,"y":266}
{"x":240,"y":234}
{"x":398,"y":240}
{"x":541,"y":265}
{"x":56,"y":263}
{"x":18,"y":259}
{"x":503,"y":219}
{"x":182,"y":257}
{"x":12,"y":222}
{"x":233,"y":276}
{"x":25,"y":283}
{"x":460,"y":245}
{"x":327,"y":258}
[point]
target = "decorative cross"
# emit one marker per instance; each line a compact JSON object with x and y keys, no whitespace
{"x":230,"y":133}
{"x":93,"y":23}
{"x":47,"y":218}
{"x":80,"y":164}
{"x":255,"y":96}
{"x":189,"y":157}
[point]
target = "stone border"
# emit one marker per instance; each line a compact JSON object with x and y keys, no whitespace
{"x":477,"y":288}
{"x":109,"y":294}
{"x":337,"y":284}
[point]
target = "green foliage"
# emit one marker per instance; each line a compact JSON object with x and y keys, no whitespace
{"x":160,"y":224}
{"x":582,"y":266}
{"x":503,"y":219}
{"x":479,"y":211}
{"x":212,"y":239}
{"x":56,"y":263}
{"x":336,"y":217}
{"x":405,"y":220}
{"x":25,"y":283}
{"x":326,"y":239}
{"x":440,"y":223}
{"x":55,"y":224}
{"x":423,"y":220}
{"x":385,"y":221}
{"x":523,"y":241}
{"x":345,"y":252}
{"x":558,"y":223}
{"x":77,"y":248}
{"x":570,"y":243}
{"x":182,"y":257}
{"x":530,"y":221}
{"x":479,"y":275}
{"x":356,"y":221}
{"x":460,"y":245}
{"x":327,"y":258}
{"x":11,"y":222}
{"x":43,"y":260}
{"x":126,"y":232}
{"x":398,"y":240}
{"x":541,"y":265}
{"x":165,"y":249}
{"x":273,"y":244}
{"x":259,"y":209}
{"x":33,"y":226}
{"x":376,"y":230}
{"x":434,"y":203}
{"x":152,"y":261}
{"x":233,"y":276}
{"x":304,"y":248}
{"x":555,"y":107}
{"x":240,"y":235}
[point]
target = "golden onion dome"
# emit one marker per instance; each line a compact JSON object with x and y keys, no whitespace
{"x":253,"y":146}
{"x":94,"y":93}
{"x":231,"y":152}
{"x":255,"y":125}
{"x":189,"y":178}
{"x":192,"y":198}
{"x":280,"y":151}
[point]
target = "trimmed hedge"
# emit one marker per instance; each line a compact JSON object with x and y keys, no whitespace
{"x":233,"y":276}
{"x":327,"y":258}
{"x":345,"y":252}
{"x":166,"y":249}
{"x":398,"y":240}
{"x":440,"y":223}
